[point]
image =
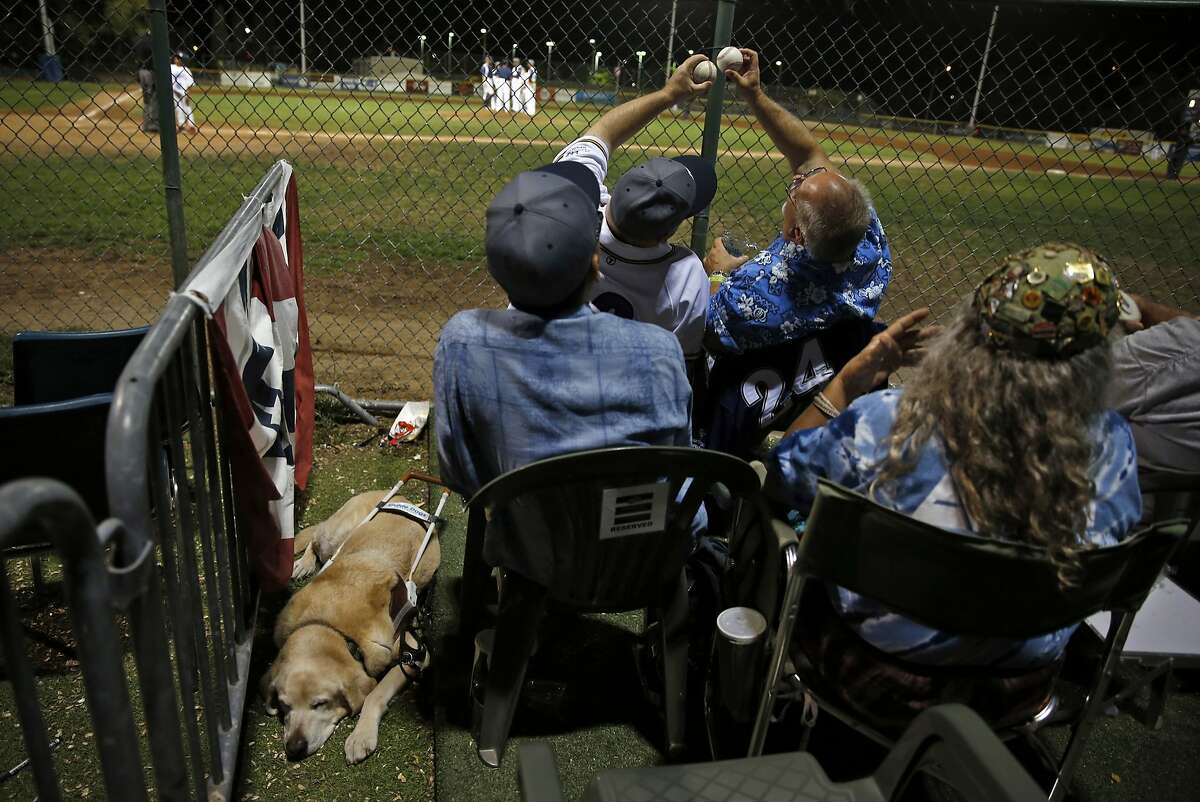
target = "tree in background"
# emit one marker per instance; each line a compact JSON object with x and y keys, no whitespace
{"x":125,"y":18}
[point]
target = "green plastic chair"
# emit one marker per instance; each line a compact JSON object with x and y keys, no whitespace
{"x":597,"y":531}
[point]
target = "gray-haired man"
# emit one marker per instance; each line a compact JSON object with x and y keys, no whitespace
{"x":830,"y":263}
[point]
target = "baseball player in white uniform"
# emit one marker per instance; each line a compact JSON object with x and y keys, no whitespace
{"x":181,"y":82}
{"x":516,"y":85}
{"x":529,"y":90}
{"x":644,"y":276}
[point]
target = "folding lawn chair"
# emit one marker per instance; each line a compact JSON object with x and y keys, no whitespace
{"x":956,"y":583}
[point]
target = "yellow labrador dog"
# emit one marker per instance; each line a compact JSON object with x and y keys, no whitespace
{"x":337,"y":648}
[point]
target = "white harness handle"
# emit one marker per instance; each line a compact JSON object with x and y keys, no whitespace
{"x":433,"y":521}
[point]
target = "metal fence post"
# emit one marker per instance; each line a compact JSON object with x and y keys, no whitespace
{"x":173,"y":184}
{"x":712,"y":119}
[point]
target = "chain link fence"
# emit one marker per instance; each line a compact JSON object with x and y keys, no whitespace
{"x":979,"y":128}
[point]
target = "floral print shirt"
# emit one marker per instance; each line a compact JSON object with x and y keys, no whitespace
{"x":783,"y":293}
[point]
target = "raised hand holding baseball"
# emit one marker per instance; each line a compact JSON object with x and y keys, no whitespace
{"x":748,"y":78}
{"x":686,"y":81}
{"x":705,"y":71}
{"x":730,"y":58}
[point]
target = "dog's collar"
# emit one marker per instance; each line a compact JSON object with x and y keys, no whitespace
{"x":411,"y":657}
{"x":351,"y":646}
{"x":357,"y":654}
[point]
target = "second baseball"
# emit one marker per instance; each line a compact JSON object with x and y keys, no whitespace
{"x":705,"y":71}
{"x":729,"y":58}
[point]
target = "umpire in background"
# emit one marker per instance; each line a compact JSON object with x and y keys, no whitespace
{"x":144,"y":51}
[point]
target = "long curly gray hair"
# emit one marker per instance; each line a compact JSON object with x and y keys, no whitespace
{"x":1014,"y":432}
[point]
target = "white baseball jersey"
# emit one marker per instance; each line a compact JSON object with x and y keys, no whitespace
{"x":664,"y":284}
{"x":181,"y":80}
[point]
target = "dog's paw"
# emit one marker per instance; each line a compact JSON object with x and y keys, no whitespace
{"x":306,"y":566}
{"x":360,"y":745}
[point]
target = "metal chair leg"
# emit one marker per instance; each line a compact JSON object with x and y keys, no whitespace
{"x":522,"y":604}
{"x":783,"y":638}
{"x":674,"y":633}
{"x":475,"y":576}
{"x":1095,"y":704}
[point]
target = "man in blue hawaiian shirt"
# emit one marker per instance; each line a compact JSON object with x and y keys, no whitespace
{"x":830,"y":263}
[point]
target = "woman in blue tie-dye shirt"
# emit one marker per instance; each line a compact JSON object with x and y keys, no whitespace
{"x":1001,"y":431}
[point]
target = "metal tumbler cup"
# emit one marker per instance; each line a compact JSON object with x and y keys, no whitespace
{"x":740,"y":642}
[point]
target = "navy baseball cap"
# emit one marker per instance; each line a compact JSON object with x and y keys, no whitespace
{"x":541,"y":233}
{"x":651,"y":200}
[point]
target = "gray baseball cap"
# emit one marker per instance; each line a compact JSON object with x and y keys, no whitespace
{"x":652,"y":199}
{"x":541,"y":233}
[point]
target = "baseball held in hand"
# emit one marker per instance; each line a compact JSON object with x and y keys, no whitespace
{"x":729,"y":59}
{"x":705,"y":71}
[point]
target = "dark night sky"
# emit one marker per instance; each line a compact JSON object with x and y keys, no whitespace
{"x":1052,"y":65}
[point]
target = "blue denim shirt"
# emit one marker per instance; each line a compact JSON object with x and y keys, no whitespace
{"x":783,"y":293}
{"x":512,"y":388}
{"x":850,"y":449}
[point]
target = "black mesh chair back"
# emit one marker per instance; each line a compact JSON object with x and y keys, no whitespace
{"x":62,"y":440}
{"x":604,"y":530}
{"x":61,"y":365}
{"x":965,"y":584}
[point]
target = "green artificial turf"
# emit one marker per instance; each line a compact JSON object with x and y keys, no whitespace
{"x":402,"y":767}
{"x":584,"y":696}
{"x":22,"y":95}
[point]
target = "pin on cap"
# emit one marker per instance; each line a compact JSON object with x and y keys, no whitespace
{"x":1052,"y":301}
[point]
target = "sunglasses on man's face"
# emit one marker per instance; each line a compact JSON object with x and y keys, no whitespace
{"x":800,"y":179}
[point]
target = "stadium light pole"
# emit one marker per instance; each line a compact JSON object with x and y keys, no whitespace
{"x":641,"y":54}
{"x":596,"y":63}
{"x":51,"y":66}
{"x":671,"y":39}
{"x":549,"y":59}
{"x":592,"y":42}
{"x":303,"y":42}
{"x":484,"y":32}
{"x":987,"y":49}
{"x":421,"y":39}
{"x":450,"y":53}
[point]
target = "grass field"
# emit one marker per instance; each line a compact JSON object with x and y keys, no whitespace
{"x":387,"y":114}
{"x":393,"y":195}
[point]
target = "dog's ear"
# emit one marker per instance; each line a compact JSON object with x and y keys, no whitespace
{"x":356,"y":691}
{"x":292,"y":616}
{"x":266,"y":689}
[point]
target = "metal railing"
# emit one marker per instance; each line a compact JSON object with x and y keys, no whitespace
{"x":172,"y":559}
{"x":170,"y":482}
{"x":37,"y":511}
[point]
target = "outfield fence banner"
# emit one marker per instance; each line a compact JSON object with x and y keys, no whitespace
{"x":978,"y":127}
